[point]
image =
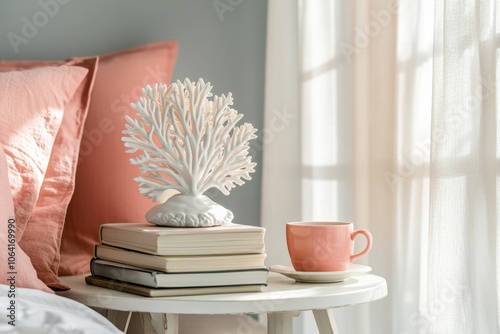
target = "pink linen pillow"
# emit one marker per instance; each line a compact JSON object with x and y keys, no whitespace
{"x":105,"y":190}
{"x":33,"y":103}
{"x":18,"y":270}
{"x":59,"y":182}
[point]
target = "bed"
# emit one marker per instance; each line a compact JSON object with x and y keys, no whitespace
{"x":39,"y":312}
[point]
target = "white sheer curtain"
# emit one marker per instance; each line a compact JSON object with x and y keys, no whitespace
{"x":391,"y":124}
{"x":464,"y":253}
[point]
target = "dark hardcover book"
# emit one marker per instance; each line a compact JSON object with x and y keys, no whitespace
{"x":158,"y":279}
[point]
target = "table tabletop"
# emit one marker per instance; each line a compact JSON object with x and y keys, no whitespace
{"x":282,"y":294}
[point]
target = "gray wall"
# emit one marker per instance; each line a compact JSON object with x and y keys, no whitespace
{"x":221,"y":41}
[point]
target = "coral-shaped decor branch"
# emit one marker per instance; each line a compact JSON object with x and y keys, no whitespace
{"x":188,"y":142}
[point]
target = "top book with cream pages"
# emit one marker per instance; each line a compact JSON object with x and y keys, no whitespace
{"x":161,"y":240}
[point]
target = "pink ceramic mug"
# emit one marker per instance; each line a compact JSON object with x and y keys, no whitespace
{"x":323,"y":246}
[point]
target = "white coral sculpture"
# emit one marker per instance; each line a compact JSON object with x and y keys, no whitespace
{"x":189,"y":144}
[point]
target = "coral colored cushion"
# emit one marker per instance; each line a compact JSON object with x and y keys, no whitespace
{"x":15,"y":260}
{"x":32,"y":105}
{"x":59,"y":182}
{"x":105,"y":190}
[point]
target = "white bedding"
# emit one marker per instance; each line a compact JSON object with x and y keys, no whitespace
{"x":40,"y":312}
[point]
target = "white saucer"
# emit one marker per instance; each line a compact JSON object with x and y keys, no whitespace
{"x":320,"y":277}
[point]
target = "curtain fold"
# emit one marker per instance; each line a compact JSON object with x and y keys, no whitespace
{"x":463,"y":276}
{"x":281,"y":133}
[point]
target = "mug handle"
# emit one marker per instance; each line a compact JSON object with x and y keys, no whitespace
{"x":368,"y":237}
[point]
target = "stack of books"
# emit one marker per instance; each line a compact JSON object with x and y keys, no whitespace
{"x":157,"y":261}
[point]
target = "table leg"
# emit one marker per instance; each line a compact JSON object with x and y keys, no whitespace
{"x":325,"y":321}
{"x":280,"y":323}
{"x":160,"y":323}
{"x":120,"y":319}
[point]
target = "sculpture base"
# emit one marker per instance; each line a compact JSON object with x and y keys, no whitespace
{"x":189,"y":211}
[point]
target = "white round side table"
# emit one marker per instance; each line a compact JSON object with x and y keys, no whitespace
{"x":280,"y":300}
